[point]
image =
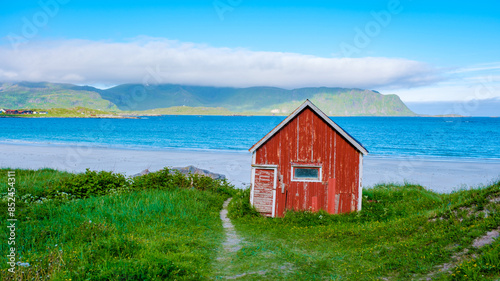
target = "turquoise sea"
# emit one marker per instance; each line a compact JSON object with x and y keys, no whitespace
{"x":475,"y":137}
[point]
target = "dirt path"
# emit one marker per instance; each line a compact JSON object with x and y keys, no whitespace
{"x":227,"y":264}
{"x":247,"y":259}
{"x":233,"y":241}
{"x":457,"y":258}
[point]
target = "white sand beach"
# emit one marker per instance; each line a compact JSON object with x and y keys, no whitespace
{"x":440,"y":175}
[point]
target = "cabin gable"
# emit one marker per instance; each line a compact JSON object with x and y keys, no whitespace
{"x":316,"y":166}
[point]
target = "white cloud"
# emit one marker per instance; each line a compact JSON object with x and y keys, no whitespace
{"x":477,"y":82}
{"x":479,"y":67}
{"x":153,"y":60}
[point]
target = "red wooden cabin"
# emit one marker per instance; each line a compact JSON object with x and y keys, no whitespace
{"x":307,"y":162}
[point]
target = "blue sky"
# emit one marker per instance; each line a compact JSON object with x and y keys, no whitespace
{"x":422,"y":50}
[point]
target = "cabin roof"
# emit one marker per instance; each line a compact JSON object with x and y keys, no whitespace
{"x":322,"y":115}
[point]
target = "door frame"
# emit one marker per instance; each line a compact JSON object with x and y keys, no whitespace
{"x":265,"y":167}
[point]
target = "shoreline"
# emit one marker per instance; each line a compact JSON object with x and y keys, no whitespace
{"x":441,"y":175}
{"x":125,"y":148}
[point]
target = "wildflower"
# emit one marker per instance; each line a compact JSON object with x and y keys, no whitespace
{"x":23,"y":264}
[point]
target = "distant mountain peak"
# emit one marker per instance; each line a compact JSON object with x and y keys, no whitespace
{"x":258,"y":100}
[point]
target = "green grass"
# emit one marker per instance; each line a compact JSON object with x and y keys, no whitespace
{"x":402,"y":233}
{"x":76,"y":112}
{"x":164,"y":226}
{"x":79,"y":112}
{"x":137,"y":233}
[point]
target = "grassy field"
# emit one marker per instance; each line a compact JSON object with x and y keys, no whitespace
{"x":402,"y":233}
{"x":96,"y":226}
{"x":164,"y":226}
{"x":79,"y":112}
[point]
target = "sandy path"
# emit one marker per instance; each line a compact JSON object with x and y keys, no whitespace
{"x":233,"y":241}
{"x":232,"y":244}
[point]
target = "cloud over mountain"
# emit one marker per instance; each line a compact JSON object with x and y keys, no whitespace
{"x":155,"y":60}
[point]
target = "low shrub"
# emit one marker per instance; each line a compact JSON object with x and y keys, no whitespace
{"x":240,"y":207}
{"x":44,"y":185}
{"x":167,"y":179}
{"x":92,"y":183}
{"x":206,"y":183}
{"x":163,"y":179}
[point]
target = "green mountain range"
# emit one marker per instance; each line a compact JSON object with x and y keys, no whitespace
{"x":26,"y":95}
{"x":185,"y":99}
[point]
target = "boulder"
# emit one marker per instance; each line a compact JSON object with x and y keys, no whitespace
{"x":188,"y":170}
{"x":194,"y":170}
{"x":145,"y":172}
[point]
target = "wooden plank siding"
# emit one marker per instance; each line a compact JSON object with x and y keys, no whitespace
{"x":307,"y":139}
{"x":264,"y":191}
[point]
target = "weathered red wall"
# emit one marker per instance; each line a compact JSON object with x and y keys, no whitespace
{"x":309,"y":139}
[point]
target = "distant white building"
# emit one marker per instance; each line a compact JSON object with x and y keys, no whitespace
{"x":2,"y":110}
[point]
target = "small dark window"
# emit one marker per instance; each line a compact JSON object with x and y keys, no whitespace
{"x":306,"y":173}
